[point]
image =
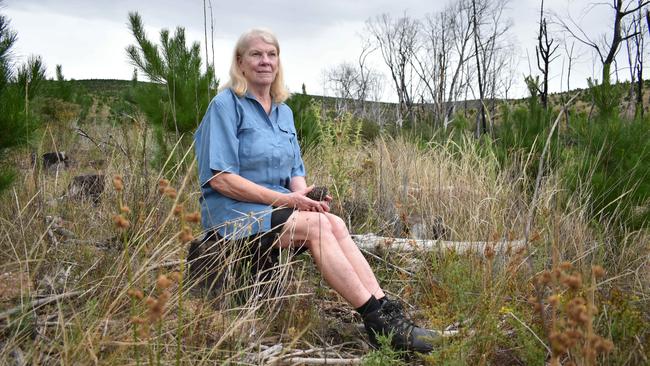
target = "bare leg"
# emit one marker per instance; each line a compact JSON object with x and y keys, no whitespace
{"x":354,"y":256}
{"x":314,"y":230}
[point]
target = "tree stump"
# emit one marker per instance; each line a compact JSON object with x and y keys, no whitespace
{"x":87,"y":187}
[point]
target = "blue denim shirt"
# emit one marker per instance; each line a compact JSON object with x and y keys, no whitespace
{"x":237,"y":136}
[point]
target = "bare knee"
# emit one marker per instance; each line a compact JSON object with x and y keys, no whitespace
{"x":320,"y":230}
{"x":339,"y":228}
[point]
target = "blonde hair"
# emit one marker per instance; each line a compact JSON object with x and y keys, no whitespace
{"x":237,"y":82}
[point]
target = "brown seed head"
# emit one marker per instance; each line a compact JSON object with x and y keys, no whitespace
{"x":118,"y":183}
{"x":553,"y":300}
{"x":488,"y":252}
{"x":574,"y":333}
{"x":178,"y":210}
{"x":577,"y":311}
{"x":121,"y":222}
{"x":135,"y":294}
{"x":150,"y":301}
{"x":137,"y":320}
{"x":544,"y":278}
{"x":604,"y":346}
{"x":143,"y":332}
{"x":170,"y":192}
{"x":162,"y":185}
{"x":558,"y":343}
{"x":194,"y":217}
{"x":535,"y":236}
{"x":125,"y":209}
{"x":598,"y":271}
{"x":573,"y":282}
{"x":186,"y":235}
{"x":163,"y":298}
{"x":163,"y":282}
{"x":175,"y":276}
{"x":565,"y":266}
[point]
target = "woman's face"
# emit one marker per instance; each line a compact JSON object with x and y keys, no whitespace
{"x":259,"y":63}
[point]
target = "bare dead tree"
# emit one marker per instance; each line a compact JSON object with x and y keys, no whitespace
{"x":445,"y":47}
{"x":397,"y":41}
{"x":570,"y":58}
{"x":629,"y":28}
{"x":545,"y":55}
{"x":488,"y":29}
{"x":509,"y":73}
{"x":639,"y":45}
{"x":342,"y":81}
{"x":634,"y":35}
{"x":607,"y":51}
{"x":481,"y":126}
{"x":368,"y":77}
{"x":431,"y":63}
{"x":462,"y":31}
{"x":353,"y":84}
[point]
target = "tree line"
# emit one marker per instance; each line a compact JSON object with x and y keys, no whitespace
{"x":465,"y":51}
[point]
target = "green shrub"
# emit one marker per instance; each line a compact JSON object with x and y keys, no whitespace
{"x":384,"y":355}
{"x":611,"y":157}
{"x":306,"y":115}
{"x":58,"y":110}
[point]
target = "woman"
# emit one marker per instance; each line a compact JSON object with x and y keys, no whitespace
{"x":254,"y":187}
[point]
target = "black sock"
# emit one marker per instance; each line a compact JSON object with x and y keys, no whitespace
{"x":371,"y":305}
{"x":383,"y":299}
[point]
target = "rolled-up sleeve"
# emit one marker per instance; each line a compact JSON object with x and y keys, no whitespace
{"x":298,"y":169}
{"x":217,"y":144}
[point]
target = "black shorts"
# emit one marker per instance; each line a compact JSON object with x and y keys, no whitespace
{"x":264,"y":241}
{"x":206,"y":257}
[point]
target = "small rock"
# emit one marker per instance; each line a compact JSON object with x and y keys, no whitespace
{"x":53,"y":160}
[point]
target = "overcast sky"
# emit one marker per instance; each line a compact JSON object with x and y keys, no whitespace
{"x":88,"y":37}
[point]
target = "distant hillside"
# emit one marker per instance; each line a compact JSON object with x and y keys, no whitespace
{"x":110,"y":91}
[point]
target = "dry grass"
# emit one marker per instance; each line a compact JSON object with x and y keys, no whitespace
{"x":126,"y":313}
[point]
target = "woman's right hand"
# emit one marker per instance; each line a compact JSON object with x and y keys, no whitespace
{"x":299,"y":200}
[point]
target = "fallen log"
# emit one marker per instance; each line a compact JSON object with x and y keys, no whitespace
{"x":372,"y":242}
{"x":320,"y":361}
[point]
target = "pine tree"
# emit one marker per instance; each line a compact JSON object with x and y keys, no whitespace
{"x":180,"y":92}
{"x":17,"y":88}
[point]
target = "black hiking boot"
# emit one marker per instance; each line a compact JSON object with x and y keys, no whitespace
{"x":406,"y":336}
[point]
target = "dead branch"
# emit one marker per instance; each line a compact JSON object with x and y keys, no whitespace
{"x":39,"y":302}
{"x":83,"y":133}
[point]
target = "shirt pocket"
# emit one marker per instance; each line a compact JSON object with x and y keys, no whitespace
{"x":287,"y":138}
{"x":253,"y":144}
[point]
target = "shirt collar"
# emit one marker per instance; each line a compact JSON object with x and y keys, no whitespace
{"x":250,"y":95}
